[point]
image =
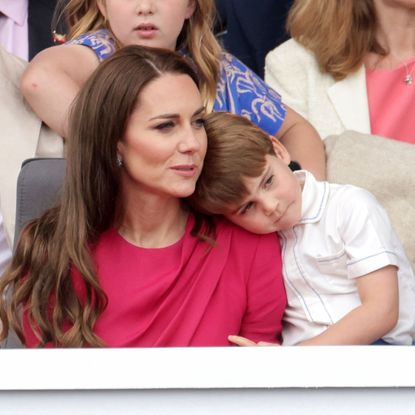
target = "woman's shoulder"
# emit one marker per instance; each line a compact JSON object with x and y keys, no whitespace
{"x":289,"y":51}
{"x":241,"y":237}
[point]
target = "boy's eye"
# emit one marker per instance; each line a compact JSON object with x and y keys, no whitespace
{"x":269,"y":181}
{"x":246,"y":208}
{"x":164,"y":125}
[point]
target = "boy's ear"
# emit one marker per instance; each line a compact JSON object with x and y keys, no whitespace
{"x":280,"y":151}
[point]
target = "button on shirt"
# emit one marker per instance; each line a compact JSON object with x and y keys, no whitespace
{"x":344,"y":234}
{"x":14,"y":27}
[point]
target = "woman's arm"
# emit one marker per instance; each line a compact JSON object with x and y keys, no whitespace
{"x":376,"y":316}
{"x":52,"y":80}
{"x":265,"y":292}
{"x":303,"y":143}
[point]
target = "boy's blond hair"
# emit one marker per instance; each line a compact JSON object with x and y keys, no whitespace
{"x":236,"y":149}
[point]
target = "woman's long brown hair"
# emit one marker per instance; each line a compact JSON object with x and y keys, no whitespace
{"x":339,"y":32}
{"x":38,"y":280}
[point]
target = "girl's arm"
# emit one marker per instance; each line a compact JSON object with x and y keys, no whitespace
{"x":52,"y":80}
{"x":303,"y":143}
{"x":376,"y":316}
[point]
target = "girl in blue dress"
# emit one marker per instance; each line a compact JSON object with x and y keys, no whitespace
{"x":98,"y":27}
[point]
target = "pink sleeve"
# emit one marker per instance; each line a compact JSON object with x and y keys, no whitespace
{"x":265,"y":293}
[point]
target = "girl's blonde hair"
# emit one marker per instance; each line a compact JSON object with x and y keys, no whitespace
{"x":339,"y":32}
{"x":82,"y":16}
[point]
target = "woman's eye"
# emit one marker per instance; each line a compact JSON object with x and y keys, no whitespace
{"x":199,"y":122}
{"x":246,"y":208}
{"x":165,"y":125}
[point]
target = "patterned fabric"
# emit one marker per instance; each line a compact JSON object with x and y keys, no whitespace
{"x":101,"y":42}
{"x":239,"y":90}
{"x":242,"y":92}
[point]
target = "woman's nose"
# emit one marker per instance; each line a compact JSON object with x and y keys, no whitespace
{"x":190,"y":143}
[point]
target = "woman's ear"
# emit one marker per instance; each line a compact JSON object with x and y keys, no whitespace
{"x":191,"y":7}
{"x":280,"y":151}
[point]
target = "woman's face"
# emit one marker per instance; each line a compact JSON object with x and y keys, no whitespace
{"x":405,"y":4}
{"x":165,"y":141}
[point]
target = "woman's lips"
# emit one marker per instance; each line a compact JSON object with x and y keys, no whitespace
{"x":186,"y":170}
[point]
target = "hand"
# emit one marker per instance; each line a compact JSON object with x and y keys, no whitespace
{"x":244,"y":342}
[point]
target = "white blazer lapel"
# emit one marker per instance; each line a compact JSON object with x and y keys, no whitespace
{"x":349,"y":98}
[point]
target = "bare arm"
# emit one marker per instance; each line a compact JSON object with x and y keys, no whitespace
{"x":303,"y":143}
{"x":52,"y":80}
{"x":377,"y":315}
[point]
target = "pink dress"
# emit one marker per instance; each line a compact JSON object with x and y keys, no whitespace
{"x":188,"y":294}
{"x":392,"y":102}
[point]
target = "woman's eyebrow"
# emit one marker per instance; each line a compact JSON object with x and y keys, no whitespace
{"x":174,"y":115}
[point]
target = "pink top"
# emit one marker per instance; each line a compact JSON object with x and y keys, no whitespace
{"x":14,"y":27}
{"x":392,"y":102}
{"x":187,"y":294}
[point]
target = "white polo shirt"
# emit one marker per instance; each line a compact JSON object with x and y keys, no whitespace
{"x":344,"y":234}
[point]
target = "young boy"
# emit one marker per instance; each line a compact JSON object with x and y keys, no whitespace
{"x":347,"y":278}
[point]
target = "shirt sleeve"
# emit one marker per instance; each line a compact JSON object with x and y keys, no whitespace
{"x":369,"y":239}
{"x":240,"y":91}
{"x":266,"y":297}
{"x":101,"y":42}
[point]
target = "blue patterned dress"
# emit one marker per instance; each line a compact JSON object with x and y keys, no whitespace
{"x":239,"y":91}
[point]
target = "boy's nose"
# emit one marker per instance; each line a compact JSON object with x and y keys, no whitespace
{"x":269,"y":205}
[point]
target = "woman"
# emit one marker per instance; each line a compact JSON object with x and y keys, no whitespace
{"x":122,"y":261}
{"x":97,"y":28}
{"x":349,"y":66}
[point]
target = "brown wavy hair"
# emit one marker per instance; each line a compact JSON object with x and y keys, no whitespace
{"x":338,"y":32}
{"x":82,"y":16}
{"x":39,"y":277}
{"x":237,"y":148}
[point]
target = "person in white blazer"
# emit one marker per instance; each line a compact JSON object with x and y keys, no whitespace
{"x":22,"y":136}
{"x":331,"y":106}
{"x":321,"y":71}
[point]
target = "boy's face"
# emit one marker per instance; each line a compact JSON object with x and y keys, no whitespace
{"x":273,"y":202}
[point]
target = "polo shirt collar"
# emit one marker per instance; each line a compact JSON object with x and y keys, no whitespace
{"x":314,"y":197}
{"x":15,"y":10}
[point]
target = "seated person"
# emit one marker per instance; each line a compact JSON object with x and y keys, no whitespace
{"x":346,"y":275}
{"x":349,"y":66}
{"x":25,"y":26}
{"x":123,"y":261}
{"x":22,"y":136}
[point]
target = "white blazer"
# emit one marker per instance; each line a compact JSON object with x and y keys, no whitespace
{"x":331,"y":106}
{"x":22,"y":136}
